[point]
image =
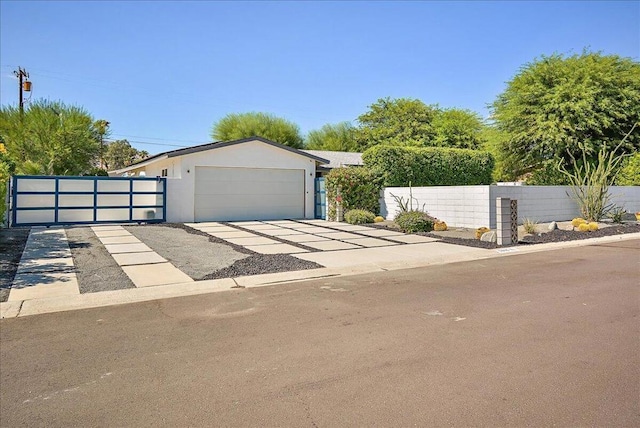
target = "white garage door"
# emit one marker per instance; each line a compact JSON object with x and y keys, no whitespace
{"x":248,"y":193}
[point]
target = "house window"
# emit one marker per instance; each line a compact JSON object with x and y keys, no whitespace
{"x":164,"y":172}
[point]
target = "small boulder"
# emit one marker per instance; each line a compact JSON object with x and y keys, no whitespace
{"x":553,"y":225}
{"x":490,"y":236}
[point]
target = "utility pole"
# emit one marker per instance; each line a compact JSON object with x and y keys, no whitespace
{"x":24,"y":84}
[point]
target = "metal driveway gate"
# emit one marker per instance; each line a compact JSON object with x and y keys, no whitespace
{"x":54,"y":200}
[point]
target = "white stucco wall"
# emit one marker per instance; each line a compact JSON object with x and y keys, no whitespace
{"x":254,"y":154}
{"x":474,"y":206}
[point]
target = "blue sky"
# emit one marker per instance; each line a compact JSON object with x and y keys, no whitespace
{"x":163,"y":72}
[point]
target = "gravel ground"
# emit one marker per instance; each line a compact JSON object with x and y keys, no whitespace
{"x":96,"y":270}
{"x":202,"y":256}
{"x":540,"y":238}
{"x":12,"y":242}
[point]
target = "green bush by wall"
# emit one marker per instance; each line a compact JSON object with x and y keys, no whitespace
{"x":429,"y":166}
{"x":629,"y":174}
{"x":356,"y":187}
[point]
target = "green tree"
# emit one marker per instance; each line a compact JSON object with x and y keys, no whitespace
{"x":458,"y":128}
{"x":236,"y":126}
{"x":556,"y":103}
{"x":120,"y":154}
{"x":400,"y":122}
{"x":338,"y":137}
{"x":50,"y":138}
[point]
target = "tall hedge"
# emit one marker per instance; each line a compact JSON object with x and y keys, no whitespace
{"x":357,"y":187}
{"x":429,"y":166}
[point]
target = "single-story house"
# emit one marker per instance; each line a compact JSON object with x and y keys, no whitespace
{"x":248,"y":179}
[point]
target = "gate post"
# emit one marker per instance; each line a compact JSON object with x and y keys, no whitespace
{"x":506,"y":221}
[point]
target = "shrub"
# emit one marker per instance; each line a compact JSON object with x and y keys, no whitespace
{"x":414,"y":221}
{"x":530,"y":225}
{"x":429,"y":166}
{"x":481,"y":231}
{"x":357,"y":187}
{"x":590,"y":181}
{"x":629,"y":174}
{"x":378,"y":219}
{"x":359,"y":217}
{"x":618,"y":214}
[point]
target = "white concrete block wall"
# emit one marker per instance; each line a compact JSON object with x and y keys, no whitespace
{"x":462,"y":206}
{"x":475,"y":206}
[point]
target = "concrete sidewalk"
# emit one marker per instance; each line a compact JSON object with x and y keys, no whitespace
{"x":338,"y":263}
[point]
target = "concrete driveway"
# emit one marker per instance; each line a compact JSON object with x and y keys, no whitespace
{"x":542,"y":339}
{"x":301,"y":236}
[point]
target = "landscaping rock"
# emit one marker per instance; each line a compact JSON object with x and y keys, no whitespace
{"x":553,"y":225}
{"x":490,"y":236}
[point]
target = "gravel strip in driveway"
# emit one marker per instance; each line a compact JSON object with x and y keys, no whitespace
{"x":202,"y":256}
{"x":12,"y":242}
{"x":96,"y":270}
{"x":193,"y":254}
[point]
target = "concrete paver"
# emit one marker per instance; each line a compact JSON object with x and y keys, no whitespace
{"x":331,"y":246}
{"x":351,"y":228}
{"x":37,"y":265}
{"x":107,"y":227}
{"x":232,"y":234}
{"x":127,"y":248}
{"x":157,"y":274}
{"x":370,"y":242}
{"x":313,"y":229}
{"x":339,"y":235}
{"x":209,"y":229}
{"x":411,"y":239}
{"x":281,"y":232}
{"x":261,"y":227}
{"x":124,"y":239}
{"x":46,"y":267}
{"x":303,"y":237}
{"x":108,"y":233}
{"x":276,"y":249}
{"x":43,"y":285}
{"x":252,"y":240}
{"x":381,"y":232}
{"x":129,"y":259}
{"x":241,"y":223}
{"x":205,"y":224}
{"x":35,"y":252}
{"x":284,"y":223}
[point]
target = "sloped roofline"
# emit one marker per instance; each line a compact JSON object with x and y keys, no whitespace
{"x":218,"y":145}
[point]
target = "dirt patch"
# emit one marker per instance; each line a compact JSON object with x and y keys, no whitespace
{"x":12,"y":242}
{"x":96,"y":270}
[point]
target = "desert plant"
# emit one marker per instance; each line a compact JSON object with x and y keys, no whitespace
{"x":617,"y":214}
{"x":530,"y":225}
{"x":593,"y":226}
{"x":440,"y":226}
{"x":414,"y":221}
{"x":378,"y":219}
{"x":590,"y":181}
{"x":405,"y":205}
{"x":481,"y":231}
{"x":583,"y":227}
{"x":359,"y":217}
{"x":577,"y":221}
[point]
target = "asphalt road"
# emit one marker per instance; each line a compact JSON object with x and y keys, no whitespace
{"x":544,"y":339}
